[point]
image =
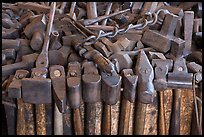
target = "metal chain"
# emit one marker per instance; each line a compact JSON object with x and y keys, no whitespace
{"x":153,"y":19}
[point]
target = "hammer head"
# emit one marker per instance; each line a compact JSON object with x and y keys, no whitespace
{"x":74,"y":84}
{"x":39,"y":23}
{"x":91,"y":83}
{"x":111,"y":88}
{"x":37,"y":90}
{"x":161,"y":69}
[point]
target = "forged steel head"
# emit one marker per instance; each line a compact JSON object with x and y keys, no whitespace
{"x":57,"y":75}
{"x":91,"y":83}
{"x":144,"y":70}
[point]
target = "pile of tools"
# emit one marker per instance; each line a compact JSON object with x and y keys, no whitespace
{"x":102,"y":68}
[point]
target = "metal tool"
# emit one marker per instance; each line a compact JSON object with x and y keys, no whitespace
{"x":178,"y":79}
{"x":33,"y":87}
{"x":14,"y":91}
{"x":111,"y":88}
{"x":10,"y":33}
{"x":54,"y":41}
{"x":160,"y":83}
{"x":57,"y":75}
{"x":188,"y":29}
{"x":128,"y":99}
{"x":11,"y":44}
{"x":74,"y":95}
{"x":98,"y":19}
{"x":9,"y":53}
{"x":91,"y":95}
{"x":161,"y":41}
{"x":147,"y":104}
{"x":26,"y":63}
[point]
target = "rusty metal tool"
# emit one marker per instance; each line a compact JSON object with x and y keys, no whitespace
{"x":9,"y":53}
{"x":11,"y":23}
{"x":74,"y":95}
{"x":36,"y":32}
{"x":33,"y":87}
{"x":54,"y":41}
{"x":11,"y":44}
{"x":91,"y":8}
{"x":124,"y":61}
{"x":177,"y":80}
{"x":162,"y":67}
{"x":177,"y":48}
{"x":56,"y":58}
{"x":91,"y":94}
{"x":188,"y":31}
{"x":26,"y":63}
{"x":87,"y":22}
{"x":35,"y":7}
{"x":23,"y":117}
{"x":57,"y":75}
{"x":147,"y":104}
{"x":24,"y":49}
{"x":103,"y":63}
{"x":10,"y":33}
{"x":24,"y":18}
{"x":38,"y":23}
{"x":129,"y":82}
{"x":196,"y":57}
{"x":111,"y":88}
{"x":161,"y":41}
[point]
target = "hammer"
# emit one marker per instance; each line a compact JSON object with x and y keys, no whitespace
{"x":180,"y":79}
{"x":32,"y":87}
{"x":111,"y":88}
{"x":161,"y":41}
{"x":91,"y":94}
{"x":14,"y":91}
{"x":161,"y":69}
{"x":129,"y":82}
{"x":147,"y":104}
{"x":74,"y":95}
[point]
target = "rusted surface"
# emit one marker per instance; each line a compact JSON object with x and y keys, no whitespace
{"x":29,"y":119}
{"x":167,"y":108}
{"x":40,"y":119}
{"x":186,"y":111}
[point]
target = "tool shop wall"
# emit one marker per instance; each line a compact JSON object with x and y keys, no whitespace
{"x":102,"y":68}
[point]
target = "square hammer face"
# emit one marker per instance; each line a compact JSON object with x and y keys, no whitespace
{"x":36,"y":90}
{"x":157,"y":41}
